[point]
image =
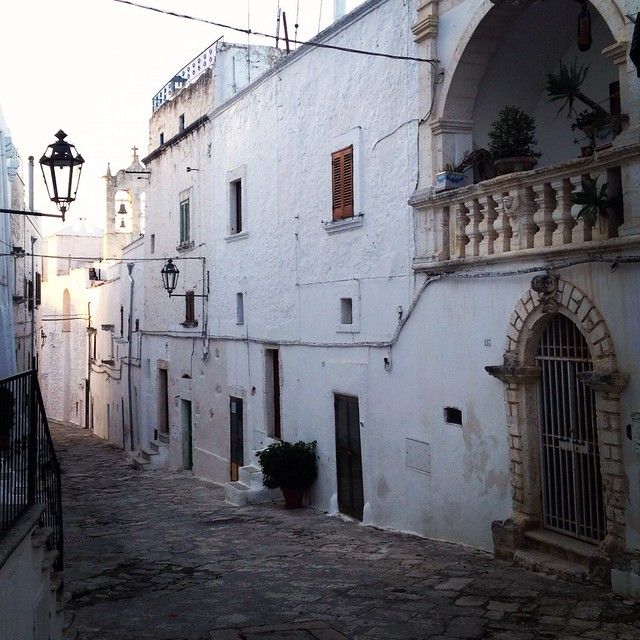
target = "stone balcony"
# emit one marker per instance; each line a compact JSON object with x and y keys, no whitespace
{"x":527,"y":214}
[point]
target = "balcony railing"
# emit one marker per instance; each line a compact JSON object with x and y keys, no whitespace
{"x":516,"y":215}
{"x":29,"y":469}
{"x":185,"y":76}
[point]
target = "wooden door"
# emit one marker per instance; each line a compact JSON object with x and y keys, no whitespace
{"x":187,"y":435}
{"x":348,"y":456}
{"x":236,"y":429}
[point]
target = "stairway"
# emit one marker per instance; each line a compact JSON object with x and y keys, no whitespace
{"x":555,"y":554}
{"x":156,"y":454}
{"x":248,"y":489}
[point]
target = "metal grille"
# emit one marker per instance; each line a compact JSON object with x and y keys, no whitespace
{"x":571,"y":483}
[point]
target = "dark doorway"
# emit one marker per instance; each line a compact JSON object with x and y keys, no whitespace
{"x":237,"y":436}
{"x":348,"y":456}
{"x":187,"y":434}
{"x":163,"y":401}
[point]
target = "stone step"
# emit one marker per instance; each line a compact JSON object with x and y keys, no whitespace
{"x":240,"y":495}
{"x":146,"y":452}
{"x":163,"y":438}
{"x":563,"y":547}
{"x":541,"y":562}
{"x":251,"y":476}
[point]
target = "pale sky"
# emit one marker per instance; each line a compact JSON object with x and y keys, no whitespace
{"x":91,"y":68}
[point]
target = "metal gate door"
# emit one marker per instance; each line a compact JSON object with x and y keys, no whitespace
{"x":571,"y":483}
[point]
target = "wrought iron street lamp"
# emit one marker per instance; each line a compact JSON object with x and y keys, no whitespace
{"x":63,"y":166}
{"x":170,"y":275}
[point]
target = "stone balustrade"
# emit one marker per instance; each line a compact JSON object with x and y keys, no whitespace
{"x":520,"y":214}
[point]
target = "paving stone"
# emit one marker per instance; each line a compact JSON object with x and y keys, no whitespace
{"x":158,"y":555}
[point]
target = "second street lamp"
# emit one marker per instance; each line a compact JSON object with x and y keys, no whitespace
{"x":170,"y":275}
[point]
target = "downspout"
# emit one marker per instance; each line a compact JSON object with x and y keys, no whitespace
{"x":33,"y":273}
{"x":89,"y":355}
{"x":129,"y":336}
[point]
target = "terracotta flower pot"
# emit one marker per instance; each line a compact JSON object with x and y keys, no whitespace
{"x":292,"y":497}
{"x":516,"y":163}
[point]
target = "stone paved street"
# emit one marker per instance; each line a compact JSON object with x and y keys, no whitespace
{"x":159,"y":555}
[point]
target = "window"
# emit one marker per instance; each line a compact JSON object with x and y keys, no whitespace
{"x":181,"y":123}
{"x":346,"y":311}
{"x":153,"y":243}
{"x":452,"y":415}
{"x":121,"y":321}
{"x":235,"y":195}
{"x":162,"y":138}
{"x":239,"y":308}
{"x":189,"y":309}
{"x":38,"y":289}
{"x":272,"y":392}
{"x":185,"y":223}
{"x":342,"y":183}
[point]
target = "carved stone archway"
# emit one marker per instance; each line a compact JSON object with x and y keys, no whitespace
{"x":550,"y":295}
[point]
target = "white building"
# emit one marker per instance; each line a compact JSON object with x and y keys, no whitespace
{"x":335,"y":297}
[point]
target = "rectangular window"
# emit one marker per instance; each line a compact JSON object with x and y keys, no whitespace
{"x":161,"y":139}
{"x":189,"y":308}
{"x":38,"y":289}
{"x":342,"y":183}
{"x":181,"y":123}
{"x":272,"y":392}
{"x":121,"y":321}
{"x":235,"y":198}
{"x":29,"y":294}
{"x":239,"y":308}
{"x":185,"y":223}
{"x":346,"y":311}
{"x":153,"y":243}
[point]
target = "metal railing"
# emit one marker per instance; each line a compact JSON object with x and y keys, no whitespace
{"x":29,"y":469}
{"x":186,"y":75}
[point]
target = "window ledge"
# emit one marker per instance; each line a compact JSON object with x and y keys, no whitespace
{"x":185,"y":246}
{"x":337,"y":226}
{"x":237,"y":236}
{"x":190,"y":324}
{"x":348,"y":328}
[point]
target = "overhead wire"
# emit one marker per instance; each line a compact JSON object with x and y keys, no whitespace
{"x":308,"y":43}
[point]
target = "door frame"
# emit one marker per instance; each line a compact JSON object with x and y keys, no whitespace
{"x":550,"y":295}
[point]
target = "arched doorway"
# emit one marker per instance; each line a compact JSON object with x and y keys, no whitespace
{"x":571,"y":484}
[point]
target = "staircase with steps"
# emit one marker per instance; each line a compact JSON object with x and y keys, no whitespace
{"x":248,"y":489}
{"x":156,"y":454}
{"x":555,"y":554}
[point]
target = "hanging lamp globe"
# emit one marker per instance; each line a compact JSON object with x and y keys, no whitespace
{"x":170,"y":275}
{"x":61,"y":166}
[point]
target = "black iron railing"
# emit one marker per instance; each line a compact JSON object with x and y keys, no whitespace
{"x":29,"y":469}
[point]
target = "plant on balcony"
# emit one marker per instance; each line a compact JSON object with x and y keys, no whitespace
{"x":291,"y":467}
{"x":512,"y":141}
{"x":594,"y":202}
{"x":448,"y":179}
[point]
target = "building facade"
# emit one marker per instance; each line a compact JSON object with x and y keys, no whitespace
{"x":467,"y":361}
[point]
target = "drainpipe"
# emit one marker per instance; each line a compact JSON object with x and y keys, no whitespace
{"x":88,"y":384}
{"x":33,"y":274}
{"x":129,"y":336}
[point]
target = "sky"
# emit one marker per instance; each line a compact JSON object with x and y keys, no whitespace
{"x":91,"y":68}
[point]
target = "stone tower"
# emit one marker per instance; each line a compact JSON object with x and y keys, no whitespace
{"x":125,"y":206}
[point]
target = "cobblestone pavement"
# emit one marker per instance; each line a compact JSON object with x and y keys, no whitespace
{"x":159,"y":555}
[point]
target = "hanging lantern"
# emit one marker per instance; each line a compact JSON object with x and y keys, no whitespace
{"x":584,"y":29}
{"x":170,"y":275}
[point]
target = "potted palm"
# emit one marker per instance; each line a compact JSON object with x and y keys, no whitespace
{"x":291,"y":466}
{"x":512,"y":141}
{"x":449,"y":178}
{"x":595,"y":203}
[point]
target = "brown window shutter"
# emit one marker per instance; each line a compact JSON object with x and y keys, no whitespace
{"x":342,"y":183}
{"x":189,"y":312}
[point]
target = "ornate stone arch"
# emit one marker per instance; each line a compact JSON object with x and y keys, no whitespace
{"x":550,"y":295}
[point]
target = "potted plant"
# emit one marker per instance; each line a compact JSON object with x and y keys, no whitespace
{"x":512,"y":141}
{"x":290,"y":466}
{"x":449,"y":178}
{"x":594,"y":202}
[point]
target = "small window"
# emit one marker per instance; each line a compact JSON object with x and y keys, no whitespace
{"x":38,"y":289}
{"x":181,"y":123}
{"x":239,"y":308}
{"x":185,"y":222}
{"x":162,"y":138}
{"x":121,"y":321}
{"x":342,"y":183}
{"x":189,"y":308}
{"x":346,"y":310}
{"x":153,"y":243}
{"x":235,"y":201}
{"x":452,"y":415}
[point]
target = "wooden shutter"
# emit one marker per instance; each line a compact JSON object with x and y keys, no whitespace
{"x":342,"y":183}
{"x":189,"y":311}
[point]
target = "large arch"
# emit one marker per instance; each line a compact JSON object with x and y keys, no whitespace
{"x":548,"y":296}
{"x":486,"y":31}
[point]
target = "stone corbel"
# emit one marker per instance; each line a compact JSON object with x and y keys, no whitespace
{"x":607,"y":382}
{"x":427,"y":24}
{"x":616,"y":52}
{"x":513,"y":373}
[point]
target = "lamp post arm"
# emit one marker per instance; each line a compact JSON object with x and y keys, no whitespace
{"x":33,"y":213}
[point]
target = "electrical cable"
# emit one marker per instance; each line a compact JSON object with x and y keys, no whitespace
{"x":309,"y":43}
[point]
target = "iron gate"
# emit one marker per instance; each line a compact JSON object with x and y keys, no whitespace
{"x":571,"y":482}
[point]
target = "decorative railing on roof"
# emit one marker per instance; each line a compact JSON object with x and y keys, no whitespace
{"x":186,"y":75}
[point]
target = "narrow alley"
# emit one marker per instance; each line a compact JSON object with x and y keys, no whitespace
{"x":157,"y":555}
